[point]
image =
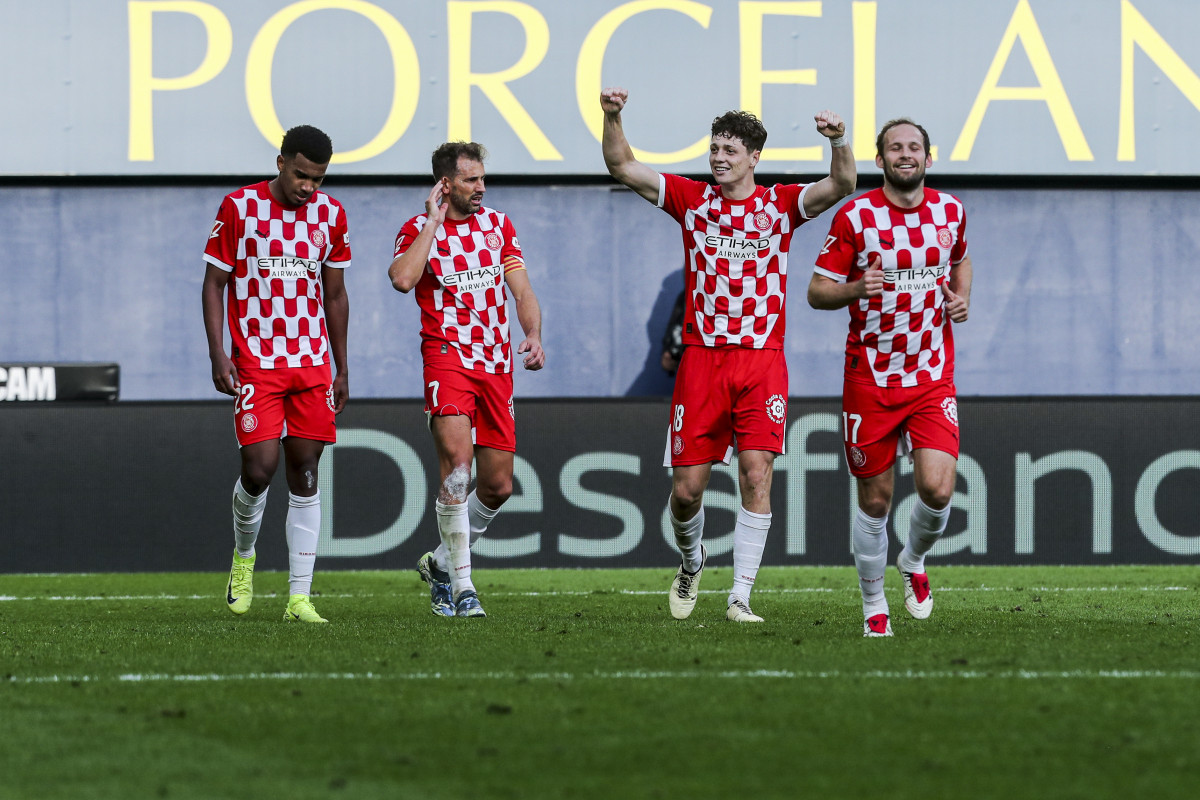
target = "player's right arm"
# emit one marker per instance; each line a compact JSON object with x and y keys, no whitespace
{"x":830,"y":287}
{"x":826,"y":294}
{"x":224,"y":374}
{"x":407,"y":267}
{"x":618,"y":155}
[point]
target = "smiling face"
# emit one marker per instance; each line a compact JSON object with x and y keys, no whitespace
{"x":731,"y":163}
{"x":904,"y":159}
{"x":466,"y":188}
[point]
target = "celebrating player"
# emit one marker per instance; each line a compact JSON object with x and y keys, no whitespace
{"x":732,"y":382}
{"x":285,"y":246}
{"x":463,"y":258}
{"x":897,"y":256}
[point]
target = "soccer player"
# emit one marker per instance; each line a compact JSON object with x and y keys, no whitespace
{"x":732,"y":383}
{"x":463,"y":259}
{"x":897,"y":256}
{"x":280,"y":248}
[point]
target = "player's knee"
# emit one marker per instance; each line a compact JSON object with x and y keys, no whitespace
{"x":874,"y":505}
{"x":493,"y":493}
{"x":256,"y":477}
{"x":687,"y":495}
{"x":936,"y":497}
{"x":454,"y":487}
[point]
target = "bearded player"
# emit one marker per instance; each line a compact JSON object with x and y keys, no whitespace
{"x":280,"y":249}
{"x":732,"y":383}
{"x":463,"y":259}
{"x":897,"y":257}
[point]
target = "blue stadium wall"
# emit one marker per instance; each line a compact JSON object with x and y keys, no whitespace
{"x":1076,"y":373}
{"x":1078,"y":291}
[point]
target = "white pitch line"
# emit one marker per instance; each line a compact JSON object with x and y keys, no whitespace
{"x":631,"y":675}
{"x":603,"y":592}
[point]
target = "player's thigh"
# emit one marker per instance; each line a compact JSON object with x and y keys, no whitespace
{"x":449,"y":392}
{"x":871,"y":427}
{"x":933,"y":419}
{"x":258,"y":409}
{"x":493,"y":475}
{"x":760,"y":390}
{"x":308,"y":404}
{"x":495,"y":414}
{"x":701,"y":425}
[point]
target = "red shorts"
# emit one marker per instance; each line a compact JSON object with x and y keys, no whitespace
{"x":484,"y":397}
{"x":874,"y":418}
{"x":723,"y":395}
{"x":290,"y":401}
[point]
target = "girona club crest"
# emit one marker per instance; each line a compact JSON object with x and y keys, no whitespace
{"x":950,"y":409}
{"x":857,"y":457}
{"x":493,"y":241}
{"x":777,"y":408}
{"x":945,"y":238}
{"x":249,"y":423}
{"x":762,"y":221}
{"x":317,"y":237}
{"x":677,"y":445}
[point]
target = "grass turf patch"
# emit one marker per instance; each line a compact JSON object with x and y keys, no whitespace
{"x":1027,"y":681}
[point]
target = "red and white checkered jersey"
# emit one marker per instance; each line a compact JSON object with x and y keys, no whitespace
{"x":275,"y":252}
{"x":902,"y":337}
{"x":461,"y":293}
{"x":736,"y":273}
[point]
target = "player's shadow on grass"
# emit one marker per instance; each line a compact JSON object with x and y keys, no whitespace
{"x":653,"y":380}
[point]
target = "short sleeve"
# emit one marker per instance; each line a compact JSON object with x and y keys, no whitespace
{"x":221,"y":250}
{"x":837,"y":256}
{"x":407,"y":234}
{"x":959,"y":251}
{"x":510,"y":252}
{"x":678,"y":194}
{"x":339,"y":251}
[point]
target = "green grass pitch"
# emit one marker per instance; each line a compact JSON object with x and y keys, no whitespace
{"x":1027,"y":682}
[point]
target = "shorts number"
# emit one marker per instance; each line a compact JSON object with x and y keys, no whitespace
{"x":433,"y":390}
{"x":851,"y":433}
{"x":243,"y":401}
{"x":677,"y":423}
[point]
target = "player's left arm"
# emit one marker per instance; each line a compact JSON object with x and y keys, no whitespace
{"x":337,"y":316}
{"x":843,"y":174}
{"x":957,"y":290}
{"x":529,"y":314}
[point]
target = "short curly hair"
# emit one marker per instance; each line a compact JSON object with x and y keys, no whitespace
{"x":310,"y":142}
{"x":445,"y":158}
{"x":879,"y":140}
{"x":741,"y":125}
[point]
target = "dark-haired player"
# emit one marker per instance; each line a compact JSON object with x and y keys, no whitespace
{"x":279,"y":248}
{"x":463,"y":259}
{"x":732,"y":384}
{"x":897,"y":256}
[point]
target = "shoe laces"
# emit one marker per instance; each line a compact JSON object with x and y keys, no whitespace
{"x":740,"y":606}
{"x":241,"y":576}
{"x":685,"y":583}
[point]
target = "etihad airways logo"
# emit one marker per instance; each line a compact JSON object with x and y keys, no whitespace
{"x":739,"y":249}
{"x":917,"y":279}
{"x":471,"y":280}
{"x":287,"y":266}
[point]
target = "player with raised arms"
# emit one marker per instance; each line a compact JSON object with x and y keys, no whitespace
{"x":732,"y":382}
